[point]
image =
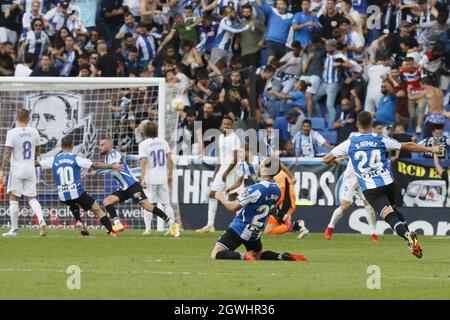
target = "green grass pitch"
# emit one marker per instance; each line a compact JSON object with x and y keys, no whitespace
{"x":158,"y":267}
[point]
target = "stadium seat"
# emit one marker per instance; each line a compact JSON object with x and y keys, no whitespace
{"x":318,"y":123}
{"x":330,"y":136}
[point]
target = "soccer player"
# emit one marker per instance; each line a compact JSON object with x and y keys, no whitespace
{"x":253,"y":207}
{"x":224,"y":173}
{"x":351,"y":185}
{"x":22,"y":146}
{"x":156,"y":174}
{"x":67,"y":168}
{"x":367,"y":152}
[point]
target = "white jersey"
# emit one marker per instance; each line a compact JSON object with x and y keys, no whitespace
{"x":156,"y":151}
{"x":24,"y":142}
{"x":227,"y":145}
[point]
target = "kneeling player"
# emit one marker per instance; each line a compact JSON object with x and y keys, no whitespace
{"x":281,"y":222}
{"x":129,"y":188}
{"x":67,"y":168}
{"x":253,"y":207}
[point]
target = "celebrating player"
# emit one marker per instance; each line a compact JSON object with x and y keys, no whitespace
{"x":367,"y":152}
{"x":253,"y":206}
{"x":351,"y":185}
{"x":22,"y":146}
{"x":224,"y":173}
{"x":67,"y":168}
{"x":156,"y":174}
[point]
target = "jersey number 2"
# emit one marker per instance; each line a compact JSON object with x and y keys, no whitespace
{"x":259,"y":219}
{"x":374,"y":162}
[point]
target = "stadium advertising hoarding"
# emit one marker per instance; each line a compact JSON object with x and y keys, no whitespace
{"x":418,"y":184}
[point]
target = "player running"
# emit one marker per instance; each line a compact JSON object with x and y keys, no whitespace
{"x":225,"y":171}
{"x":350,"y":185}
{"x":22,"y":148}
{"x":253,"y":206}
{"x":367,"y":152}
{"x":67,"y":168}
{"x":156,"y":174}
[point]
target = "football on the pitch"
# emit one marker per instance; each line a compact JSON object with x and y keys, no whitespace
{"x":177,"y":104}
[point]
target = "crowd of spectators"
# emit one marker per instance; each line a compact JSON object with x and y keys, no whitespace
{"x":313,"y":64}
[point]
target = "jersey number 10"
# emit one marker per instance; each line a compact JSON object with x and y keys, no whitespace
{"x":158,"y":157}
{"x":66,"y":176}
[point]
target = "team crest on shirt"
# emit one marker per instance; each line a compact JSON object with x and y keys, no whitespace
{"x":56,"y":114}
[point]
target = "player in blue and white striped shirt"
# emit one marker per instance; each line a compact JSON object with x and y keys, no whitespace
{"x":128,"y":188}
{"x":252,"y":207}
{"x":225,"y":33}
{"x":367,"y":152}
{"x":145,"y":44}
{"x":67,"y":168}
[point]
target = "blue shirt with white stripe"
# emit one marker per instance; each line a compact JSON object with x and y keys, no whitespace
{"x":124,"y":178}
{"x":146,"y":47}
{"x":279,"y":24}
{"x":258,"y":201}
{"x":67,"y":173}
{"x":367,"y":152}
{"x":225,"y":33}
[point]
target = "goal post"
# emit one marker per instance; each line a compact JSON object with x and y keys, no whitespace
{"x":89,"y":109}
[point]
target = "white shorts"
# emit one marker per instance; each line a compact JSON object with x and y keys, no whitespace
{"x":315,"y":83}
{"x":158,"y":193}
{"x":350,"y":185}
{"x":22,"y":186}
{"x":8,"y":35}
{"x":218,"y":184}
{"x":372,"y":99}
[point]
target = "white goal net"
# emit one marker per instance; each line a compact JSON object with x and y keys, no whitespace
{"x":89,"y":109}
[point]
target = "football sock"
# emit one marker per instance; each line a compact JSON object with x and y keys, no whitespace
{"x":168,"y":210}
{"x":14,"y":214}
{"x":212,"y":209}
{"x":397,"y":225}
{"x":228,"y":255}
{"x":107,"y":223}
{"x":158,"y":212}
{"x":147,"y":220}
{"x":76,"y":212}
{"x":371,"y":218}
{"x":112,"y":213}
{"x":280,"y":229}
{"x":337,"y":215}
{"x":296,"y":226}
{"x":37,"y":209}
{"x":401,"y":218}
{"x":270,"y":255}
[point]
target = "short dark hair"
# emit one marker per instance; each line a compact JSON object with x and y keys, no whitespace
{"x":29,"y":58}
{"x":364,"y":119}
{"x":296,"y":44}
{"x":270,"y":68}
{"x":227,"y":118}
{"x":246,"y":6}
{"x":67,"y":142}
{"x":307,"y":121}
{"x":188,"y":7}
{"x":409,"y":59}
{"x":377,"y":123}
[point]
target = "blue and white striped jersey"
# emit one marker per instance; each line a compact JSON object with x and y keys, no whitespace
{"x":225,"y":33}
{"x":36,"y":43}
{"x":57,"y":19}
{"x":67,"y":173}
{"x":330,"y":73}
{"x":248,"y":171}
{"x":146,"y":47}
{"x":125,"y":177}
{"x":258,"y":201}
{"x":367,"y":152}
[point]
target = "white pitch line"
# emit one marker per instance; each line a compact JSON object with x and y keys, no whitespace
{"x":185,"y":273}
{"x":418,"y":278}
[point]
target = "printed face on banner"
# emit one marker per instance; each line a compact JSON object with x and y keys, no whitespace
{"x":57,"y":114}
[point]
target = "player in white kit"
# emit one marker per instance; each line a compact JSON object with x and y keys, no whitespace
{"x":350,"y":187}
{"x":156,"y":174}
{"x":22,"y":146}
{"x":225,"y":173}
